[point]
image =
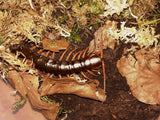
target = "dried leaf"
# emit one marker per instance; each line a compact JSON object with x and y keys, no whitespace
{"x":104,"y":34}
{"x":17,"y":82}
{"x":142,"y":74}
{"x":27,"y":84}
{"x":55,"y":46}
{"x":70,"y":86}
{"x":50,"y":111}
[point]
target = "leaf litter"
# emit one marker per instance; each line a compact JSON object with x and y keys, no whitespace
{"x":34,"y":20}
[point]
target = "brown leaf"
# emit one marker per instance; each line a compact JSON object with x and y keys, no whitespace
{"x":17,"y":82}
{"x":54,"y":46}
{"x":70,"y":86}
{"x":8,"y":99}
{"x":104,"y":34}
{"x":143,"y":74}
{"x":50,"y":111}
{"x":27,"y":84}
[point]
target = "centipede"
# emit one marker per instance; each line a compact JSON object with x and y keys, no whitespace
{"x":80,"y":62}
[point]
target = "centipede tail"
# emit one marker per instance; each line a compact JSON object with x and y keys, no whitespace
{"x":62,"y":67}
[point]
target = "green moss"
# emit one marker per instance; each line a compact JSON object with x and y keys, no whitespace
{"x":18,"y":104}
{"x":1,"y":40}
{"x":48,"y":100}
{"x":74,"y":33}
{"x":95,"y":7}
{"x":62,"y":110}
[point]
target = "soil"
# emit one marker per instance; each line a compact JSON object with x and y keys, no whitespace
{"x":120,"y":103}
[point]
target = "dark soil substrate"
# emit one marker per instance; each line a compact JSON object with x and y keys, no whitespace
{"x":119,"y":105}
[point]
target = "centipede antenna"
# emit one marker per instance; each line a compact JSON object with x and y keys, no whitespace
{"x":67,"y":58}
{"x":60,"y":59}
{"x":103,"y":66}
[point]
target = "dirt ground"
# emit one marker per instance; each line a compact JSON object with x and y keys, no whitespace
{"x":120,"y":103}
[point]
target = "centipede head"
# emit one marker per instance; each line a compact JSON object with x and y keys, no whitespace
{"x":14,"y":48}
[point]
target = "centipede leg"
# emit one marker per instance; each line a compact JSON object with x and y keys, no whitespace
{"x":73,"y":58}
{"x":85,"y":76}
{"x":79,"y":56}
{"x":76,"y":55}
{"x":83,"y":57}
{"x":46,"y":76}
{"x":47,"y":53}
{"x":84,"y":52}
{"x":67,"y":58}
{"x":91,"y":73}
{"x":53,"y":55}
{"x":40,"y":51}
{"x":34,"y":47}
{"x":60,"y":59}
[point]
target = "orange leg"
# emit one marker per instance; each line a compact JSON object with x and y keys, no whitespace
{"x":53,"y":55}
{"x":85,"y":75}
{"x":47,"y":54}
{"x":83,"y":56}
{"x":91,"y":73}
{"x":79,"y":56}
{"x":40,"y":51}
{"x":46,"y":76}
{"x":59,"y":75}
{"x":32,"y":48}
{"x":96,"y":82}
{"x":67,"y":58}
{"x":83,"y":52}
{"x":60,"y":59}
{"x":73,"y":58}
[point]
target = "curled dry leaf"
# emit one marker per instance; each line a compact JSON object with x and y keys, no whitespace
{"x":104,"y":34}
{"x":142,"y":74}
{"x":27,"y":84}
{"x":50,"y":111}
{"x":70,"y":86}
{"x":54,"y":46}
{"x":16,"y":81}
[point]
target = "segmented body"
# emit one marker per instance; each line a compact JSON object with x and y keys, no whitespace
{"x":89,"y":62}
